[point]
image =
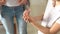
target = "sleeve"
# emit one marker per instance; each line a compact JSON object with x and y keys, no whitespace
{"x":58,"y":21}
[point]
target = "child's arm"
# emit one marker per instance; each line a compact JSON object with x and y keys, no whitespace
{"x":39,"y":18}
{"x":53,"y":30}
{"x":36,"y":18}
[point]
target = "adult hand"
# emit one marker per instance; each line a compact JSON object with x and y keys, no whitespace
{"x":2,"y":2}
{"x":22,"y":2}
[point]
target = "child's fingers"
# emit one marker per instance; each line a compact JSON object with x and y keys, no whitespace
{"x":26,"y":15}
{"x":25,"y":18}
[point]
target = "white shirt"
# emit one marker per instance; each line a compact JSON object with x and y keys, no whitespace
{"x":58,"y":9}
{"x":12,"y":3}
{"x":50,"y":16}
{"x":53,"y":16}
{"x":48,"y":9}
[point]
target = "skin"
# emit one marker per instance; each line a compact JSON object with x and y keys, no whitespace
{"x":2,"y":2}
{"x":22,"y":2}
{"x":53,"y":30}
{"x":54,"y":3}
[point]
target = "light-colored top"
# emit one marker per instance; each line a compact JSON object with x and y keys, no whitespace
{"x":47,"y":10}
{"x":12,"y":3}
{"x":51,"y":15}
{"x":58,"y":10}
{"x":54,"y":16}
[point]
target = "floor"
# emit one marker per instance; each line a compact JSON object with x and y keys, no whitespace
{"x":2,"y":30}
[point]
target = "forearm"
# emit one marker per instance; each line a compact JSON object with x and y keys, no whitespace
{"x":38,"y":18}
{"x":41,"y":28}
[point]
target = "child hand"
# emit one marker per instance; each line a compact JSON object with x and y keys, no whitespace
{"x":26,"y":15}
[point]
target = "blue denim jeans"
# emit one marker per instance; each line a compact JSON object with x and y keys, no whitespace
{"x":8,"y":14}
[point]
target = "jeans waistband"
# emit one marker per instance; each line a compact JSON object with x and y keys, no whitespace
{"x":12,"y":6}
